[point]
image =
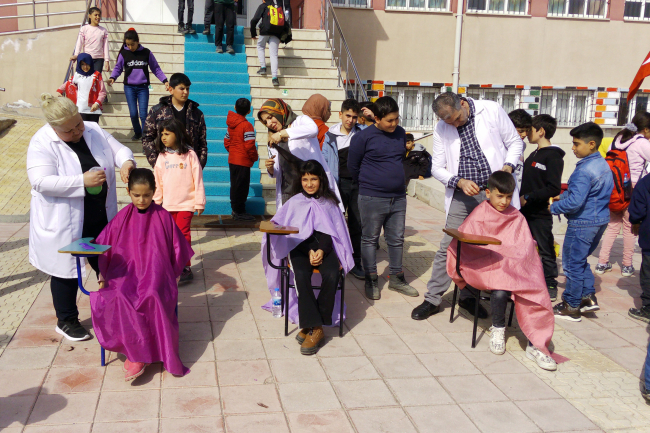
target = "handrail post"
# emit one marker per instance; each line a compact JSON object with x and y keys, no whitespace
{"x":34,"y":12}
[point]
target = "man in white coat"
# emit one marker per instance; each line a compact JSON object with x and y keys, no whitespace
{"x":473,"y":139}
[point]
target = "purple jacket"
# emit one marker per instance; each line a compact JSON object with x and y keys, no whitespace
{"x":137,"y":76}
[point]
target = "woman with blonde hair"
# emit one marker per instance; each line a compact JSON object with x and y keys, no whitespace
{"x":71,"y":168}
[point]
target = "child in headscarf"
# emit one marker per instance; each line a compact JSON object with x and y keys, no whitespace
{"x":86,"y":89}
{"x":296,"y":135}
{"x":319,"y":109}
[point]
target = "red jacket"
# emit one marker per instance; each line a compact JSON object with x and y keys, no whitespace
{"x":240,"y":141}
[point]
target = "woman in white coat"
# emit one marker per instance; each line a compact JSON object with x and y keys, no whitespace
{"x":69,"y":201}
{"x":298,"y":137}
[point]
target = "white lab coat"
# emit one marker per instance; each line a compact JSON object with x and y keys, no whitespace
{"x":496,"y":135}
{"x":57,"y":206}
{"x":303,"y":143}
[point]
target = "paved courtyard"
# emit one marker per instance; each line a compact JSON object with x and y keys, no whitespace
{"x":387,"y":374}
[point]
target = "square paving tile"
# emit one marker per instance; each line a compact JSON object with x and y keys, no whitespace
{"x":14,"y":411}
{"x":193,"y":425}
{"x":282,"y":348}
{"x":370,"y":326}
{"x":320,"y":422}
{"x":374,"y":345}
{"x":243,"y":372}
{"x":488,"y":362}
{"x":267,"y":423}
{"x":349,"y":368}
{"x":201,"y":374}
{"x":195,"y":331}
{"x":242,"y":350}
{"x":144,"y":426}
{"x":150,"y":379}
{"x":66,"y":380}
{"x":64,"y":409}
{"x":419,"y":391}
{"x":77,"y":355}
{"x":196,"y":351}
{"x":190,"y":402}
{"x":28,"y":382}
{"x":64,"y":428}
{"x":128,"y":406}
{"x":242,"y":329}
{"x":523,"y":386}
{"x":364,"y":393}
{"x":564,"y":417}
{"x":250,"y":399}
{"x":28,"y":358}
{"x":295,"y":395}
{"x":448,"y":364}
{"x":446,"y":418}
{"x":392,"y":366}
{"x":193,"y":314}
{"x":428,"y":343}
{"x":601,"y":338}
{"x":499,"y":417}
{"x":298,"y":370}
{"x":336,"y":346}
{"x":381,"y":420}
{"x":471,"y":389}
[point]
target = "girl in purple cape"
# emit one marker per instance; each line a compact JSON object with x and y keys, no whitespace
{"x":323,"y":243}
{"x":134,"y":312}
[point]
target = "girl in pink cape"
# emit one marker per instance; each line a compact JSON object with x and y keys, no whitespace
{"x":323,"y":243}
{"x":515,"y":265}
{"x":134,"y":311}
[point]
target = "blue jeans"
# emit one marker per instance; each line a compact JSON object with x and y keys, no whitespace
{"x":137,"y":98}
{"x":389,"y":213}
{"x":579,"y":243}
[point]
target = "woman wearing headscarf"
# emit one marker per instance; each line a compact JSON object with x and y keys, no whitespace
{"x":319,"y":109}
{"x":294,"y":139}
{"x":86,"y":89}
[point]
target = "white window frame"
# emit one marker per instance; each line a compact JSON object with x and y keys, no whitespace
{"x":640,"y":17}
{"x":584,"y":15}
{"x":505,"y":10}
{"x":501,"y":92}
{"x":573,"y":94}
{"x":346,"y":4}
{"x":421,"y":124}
{"x":409,"y":8}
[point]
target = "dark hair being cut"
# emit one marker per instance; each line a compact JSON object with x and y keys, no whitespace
{"x":174,"y":126}
{"x":588,"y":132}
{"x":502,"y":181}
{"x":384,"y":106}
{"x":142,"y":176}
{"x":314,"y":167}
{"x":546,"y":122}
{"x":242,"y":106}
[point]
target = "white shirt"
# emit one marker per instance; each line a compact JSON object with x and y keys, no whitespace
{"x":83,"y":90}
{"x":496,"y":136}
{"x":56,"y":212}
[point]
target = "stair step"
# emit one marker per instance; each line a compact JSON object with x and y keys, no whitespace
{"x":161,"y":56}
{"x":216,"y":189}
{"x":298,"y":34}
{"x":123,"y":26}
{"x":222,"y":174}
{"x":220,"y":205}
{"x":291,"y":93}
{"x":156,"y":47}
{"x":217,"y":77}
{"x":220,"y":89}
{"x":299,"y":53}
{"x":211,"y":48}
{"x":219,"y":99}
{"x":220,"y":110}
{"x":293,"y":62}
{"x":149,"y":38}
{"x":212,"y":56}
{"x":209,"y":66}
{"x":239,"y":30}
{"x":305,"y":43}
{"x":200,"y":38}
{"x":294,"y":81}
{"x":296,"y":103}
{"x":323,"y":71}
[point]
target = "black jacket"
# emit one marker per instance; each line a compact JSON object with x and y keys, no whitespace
{"x":260,"y":14}
{"x":639,"y":209}
{"x":417,"y":163}
{"x":541,"y":180}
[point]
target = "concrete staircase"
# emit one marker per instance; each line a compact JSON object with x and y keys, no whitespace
{"x":305,"y":68}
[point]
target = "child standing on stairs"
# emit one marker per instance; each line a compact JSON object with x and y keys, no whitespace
{"x":86,"y":89}
{"x":269,"y":32}
{"x":93,"y":40}
{"x":179,"y":180}
{"x":242,"y":154}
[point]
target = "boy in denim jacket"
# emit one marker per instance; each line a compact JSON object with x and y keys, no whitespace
{"x":586,"y":207}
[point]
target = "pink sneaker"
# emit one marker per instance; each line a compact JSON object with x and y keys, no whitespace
{"x":133,"y":370}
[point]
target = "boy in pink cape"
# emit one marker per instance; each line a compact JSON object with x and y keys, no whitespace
{"x":134,"y":311}
{"x":515,"y":264}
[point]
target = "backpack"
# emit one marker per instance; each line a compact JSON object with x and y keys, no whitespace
{"x":622,"y":192}
{"x":273,"y":20}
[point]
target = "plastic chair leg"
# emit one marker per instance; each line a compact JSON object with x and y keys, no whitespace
{"x":103,"y":355}
{"x":453,"y":304}
{"x":512,"y":312}
{"x":478,"y":301}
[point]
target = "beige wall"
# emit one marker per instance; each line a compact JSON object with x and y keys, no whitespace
{"x":54,"y":20}
{"x":33,"y":63}
{"x":406,"y":46}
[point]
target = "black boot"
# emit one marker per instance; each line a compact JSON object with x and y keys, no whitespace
{"x":181,"y":28}
{"x":372,"y":288}
{"x":189,"y":29}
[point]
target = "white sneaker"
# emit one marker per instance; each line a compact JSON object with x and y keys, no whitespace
{"x":497,"y":340}
{"x":543,"y":361}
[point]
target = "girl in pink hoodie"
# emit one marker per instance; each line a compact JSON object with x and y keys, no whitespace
{"x":179,"y":179}
{"x":634,"y":140}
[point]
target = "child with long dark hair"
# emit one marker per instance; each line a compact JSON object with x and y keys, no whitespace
{"x":323,"y":243}
{"x":136,"y":61}
{"x":93,"y":40}
{"x":179,"y":179}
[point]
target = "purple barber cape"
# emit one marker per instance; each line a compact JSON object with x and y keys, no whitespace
{"x":309,"y":215}
{"x":135,"y":314}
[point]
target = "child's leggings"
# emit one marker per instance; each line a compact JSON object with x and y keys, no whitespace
{"x":616,"y":219}
{"x":184,"y":221}
{"x":274,"y":44}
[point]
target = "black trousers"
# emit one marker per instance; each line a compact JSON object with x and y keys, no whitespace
{"x":90,"y":117}
{"x":350,"y":197}
{"x":315,"y":311}
{"x":99,"y":65}
{"x":222,"y":13}
{"x":64,"y":294}
{"x":240,"y":182}
{"x":498,"y":304}
{"x":645,"y":280}
{"x":181,"y":11}
{"x":542,"y":231}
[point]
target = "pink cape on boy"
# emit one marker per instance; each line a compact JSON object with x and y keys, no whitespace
{"x":135,"y":314}
{"x":309,"y":215}
{"x":514,"y":266}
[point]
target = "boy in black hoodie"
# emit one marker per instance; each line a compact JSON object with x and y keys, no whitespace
{"x":541,"y":181}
